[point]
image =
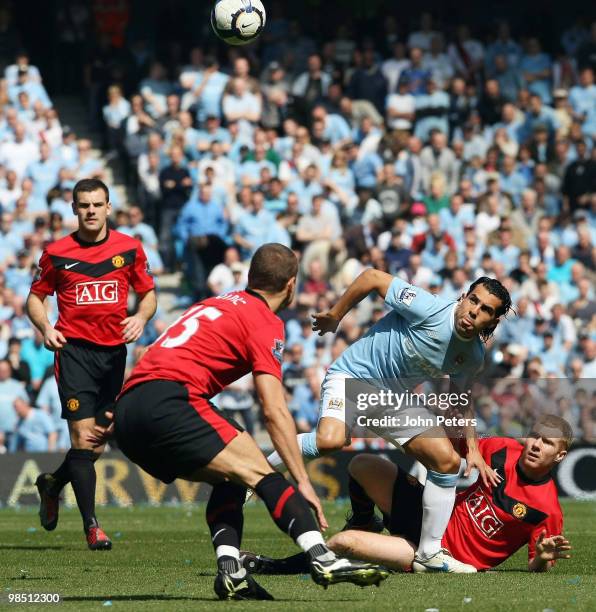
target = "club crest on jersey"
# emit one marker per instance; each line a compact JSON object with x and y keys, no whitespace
{"x":335,"y":403}
{"x":407,"y":295}
{"x":73,"y":404}
{"x":520,"y":510}
{"x":97,"y":292}
{"x":278,"y":349}
{"x":118,"y":261}
{"x":459,"y":359}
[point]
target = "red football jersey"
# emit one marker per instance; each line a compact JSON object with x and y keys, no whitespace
{"x":488,"y":525}
{"x":214,"y":343}
{"x":92,"y":282}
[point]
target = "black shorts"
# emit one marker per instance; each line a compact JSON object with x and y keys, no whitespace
{"x":406,"y":508}
{"x":160,"y":427}
{"x":89,"y":378}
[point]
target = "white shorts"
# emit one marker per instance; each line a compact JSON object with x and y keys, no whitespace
{"x":333,"y":397}
{"x":335,"y":405}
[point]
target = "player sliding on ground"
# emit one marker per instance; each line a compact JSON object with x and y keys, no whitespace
{"x":487,"y":525}
{"x":423,"y":337}
{"x":166,"y":424}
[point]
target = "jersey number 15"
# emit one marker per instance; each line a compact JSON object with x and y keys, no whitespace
{"x":190,"y":322}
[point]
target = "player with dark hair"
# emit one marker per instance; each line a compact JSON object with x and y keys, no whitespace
{"x":165,"y":423}
{"x":487,"y":525}
{"x":423,"y":337}
{"x":91,"y":271}
{"x":494,"y":287}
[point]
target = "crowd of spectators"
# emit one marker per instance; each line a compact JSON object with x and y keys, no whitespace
{"x":40,"y":161}
{"x":437,"y":156}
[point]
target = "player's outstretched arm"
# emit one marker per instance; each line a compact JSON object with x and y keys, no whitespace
{"x":282,"y":430}
{"x":36,"y":311}
{"x":370,"y":280}
{"x":134,"y":325}
{"x":548,"y":550}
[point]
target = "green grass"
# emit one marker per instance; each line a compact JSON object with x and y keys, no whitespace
{"x":162,"y":560}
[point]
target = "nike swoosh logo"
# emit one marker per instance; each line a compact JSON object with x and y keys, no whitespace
{"x":72,"y":265}
{"x":437,"y":569}
{"x":246,"y":25}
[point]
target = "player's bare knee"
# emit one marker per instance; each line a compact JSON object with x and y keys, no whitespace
{"x":341,"y":543}
{"x":361,"y":465}
{"x":330,"y":440}
{"x":447,"y":463}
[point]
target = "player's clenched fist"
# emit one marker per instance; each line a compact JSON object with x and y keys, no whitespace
{"x":324,"y":322}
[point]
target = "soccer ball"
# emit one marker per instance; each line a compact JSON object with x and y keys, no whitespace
{"x":238,"y":22}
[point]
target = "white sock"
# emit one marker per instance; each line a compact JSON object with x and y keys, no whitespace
{"x":275,"y":460}
{"x":309,"y":539}
{"x":312,"y":543}
{"x":307,"y":443}
{"x":437,"y":504}
{"x":227,"y":551}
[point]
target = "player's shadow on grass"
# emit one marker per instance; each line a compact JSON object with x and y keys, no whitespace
{"x":14,"y":547}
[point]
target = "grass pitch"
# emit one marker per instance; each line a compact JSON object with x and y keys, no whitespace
{"x":162,"y":560}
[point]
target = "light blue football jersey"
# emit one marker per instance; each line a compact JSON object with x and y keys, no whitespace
{"x":416,"y":341}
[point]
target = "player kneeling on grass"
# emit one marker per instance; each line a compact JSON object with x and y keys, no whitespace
{"x":487,"y":525}
{"x":165,"y":423}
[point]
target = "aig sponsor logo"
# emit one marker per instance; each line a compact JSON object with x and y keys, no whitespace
{"x":97,"y":292}
{"x":482,"y":513}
